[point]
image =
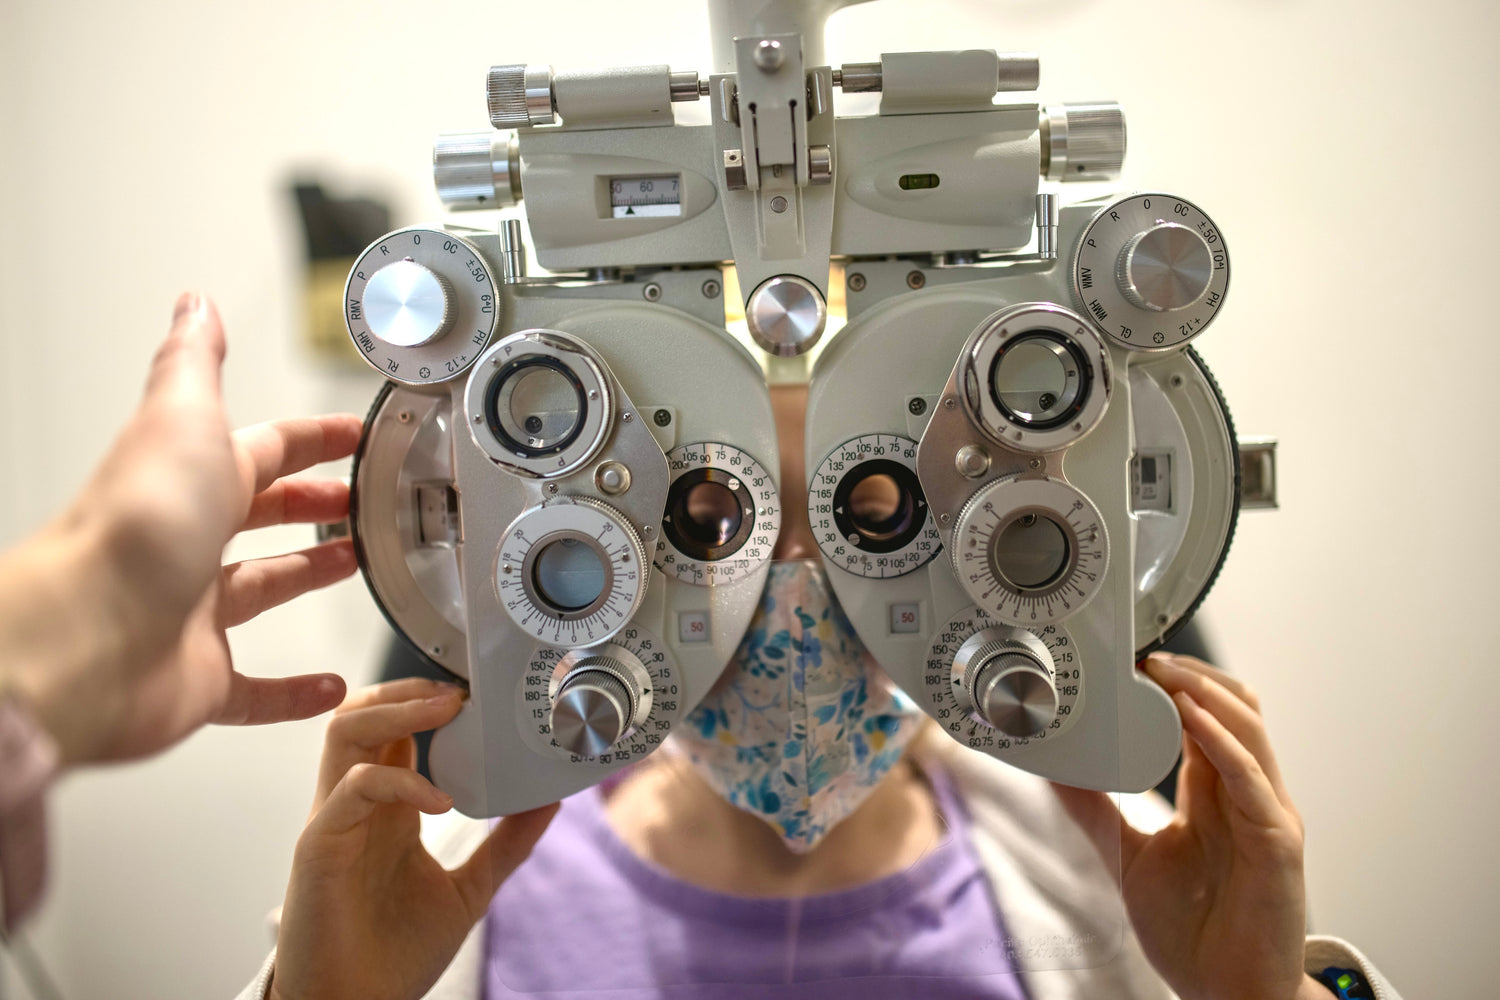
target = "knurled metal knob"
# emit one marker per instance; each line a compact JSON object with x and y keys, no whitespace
{"x":593,"y":709}
{"x":520,"y":96}
{"x":1083,"y":141}
{"x":477,"y":170}
{"x":786,"y":315}
{"x":1015,"y":694}
{"x":407,"y":304}
{"x":1166,"y":267}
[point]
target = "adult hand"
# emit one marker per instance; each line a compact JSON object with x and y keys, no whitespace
{"x":113,"y":618}
{"x":1217,"y":896}
{"x":369,"y":913}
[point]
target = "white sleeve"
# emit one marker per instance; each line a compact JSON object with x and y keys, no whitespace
{"x":1322,"y":952}
{"x":261,"y":984}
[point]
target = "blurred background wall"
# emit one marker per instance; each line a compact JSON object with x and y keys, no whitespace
{"x":145,"y":148}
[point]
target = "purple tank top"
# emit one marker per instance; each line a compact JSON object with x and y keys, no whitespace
{"x":585,"y":917}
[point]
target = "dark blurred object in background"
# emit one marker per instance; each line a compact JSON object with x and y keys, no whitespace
{"x":336,"y":231}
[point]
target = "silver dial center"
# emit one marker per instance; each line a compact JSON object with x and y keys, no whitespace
{"x":591,"y":712}
{"x":1167,"y":267}
{"x":407,"y":305}
{"x":1015,"y":694}
{"x":786,"y":315}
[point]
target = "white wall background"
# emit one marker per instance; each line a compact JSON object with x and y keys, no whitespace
{"x":1341,"y":145}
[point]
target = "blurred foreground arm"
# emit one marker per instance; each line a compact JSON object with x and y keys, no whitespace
{"x":113,"y":617}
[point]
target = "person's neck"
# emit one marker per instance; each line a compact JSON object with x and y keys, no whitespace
{"x":667,"y":814}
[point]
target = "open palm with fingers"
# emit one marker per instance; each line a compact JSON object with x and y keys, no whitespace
{"x":115,"y":615}
{"x":1217,"y":896}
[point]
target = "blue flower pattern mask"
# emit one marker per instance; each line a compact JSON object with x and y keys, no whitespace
{"x":806,"y":723}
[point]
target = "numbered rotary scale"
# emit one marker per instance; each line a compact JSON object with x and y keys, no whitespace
{"x":723,"y":514}
{"x":420,"y":305}
{"x":1152,"y":270}
{"x":867,"y":509}
{"x":998,"y":687}
{"x":608,"y":703}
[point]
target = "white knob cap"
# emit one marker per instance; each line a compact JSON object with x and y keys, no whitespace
{"x":407,"y":305}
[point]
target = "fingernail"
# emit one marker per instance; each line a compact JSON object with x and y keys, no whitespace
{"x":187,"y":302}
{"x":446,"y":698}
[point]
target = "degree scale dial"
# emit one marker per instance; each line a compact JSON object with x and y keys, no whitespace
{"x":1151,"y":271}
{"x":420,"y":305}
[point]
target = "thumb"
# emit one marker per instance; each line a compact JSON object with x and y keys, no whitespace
{"x":509,"y":844}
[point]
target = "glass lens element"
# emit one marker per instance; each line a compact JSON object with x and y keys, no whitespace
{"x":712,"y":512}
{"x":568,"y":574}
{"x":879,"y":507}
{"x":536,"y":406}
{"x":1037,"y":380}
{"x":1030,"y":552}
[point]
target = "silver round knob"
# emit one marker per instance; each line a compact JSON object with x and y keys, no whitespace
{"x":1015,"y":695}
{"x":520,"y":96}
{"x":592,"y":710}
{"x":407,"y":305}
{"x":1168,"y":266}
{"x":786,"y":315}
{"x":477,"y":170}
{"x":1005,"y":674}
{"x":1083,"y":141}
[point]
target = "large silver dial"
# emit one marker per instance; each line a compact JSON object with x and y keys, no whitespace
{"x":1030,"y":551}
{"x":611,"y":702}
{"x":999,"y":688}
{"x":1151,"y":271}
{"x":420,"y":305}
{"x":571,"y":572}
{"x":722,"y":517}
{"x":867,"y":509}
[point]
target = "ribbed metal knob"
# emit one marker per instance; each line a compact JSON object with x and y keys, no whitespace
{"x":786,"y":315}
{"x":520,"y":96}
{"x":1083,"y":141}
{"x":1166,"y":267}
{"x":407,"y":305}
{"x":1015,"y":695}
{"x":476,"y":170}
{"x":592,"y":710}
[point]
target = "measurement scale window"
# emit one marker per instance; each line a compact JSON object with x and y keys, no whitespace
{"x":637,"y":197}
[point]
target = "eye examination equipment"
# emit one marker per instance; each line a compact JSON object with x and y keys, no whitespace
{"x":1021,"y":476}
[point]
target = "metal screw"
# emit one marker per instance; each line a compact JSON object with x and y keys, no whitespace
{"x":778,"y":204}
{"x":856,"y":282}
{"x":478,"y":419}
{"x":593,"y":394}
{"x":648,"y":530}
{"x":942,"y":519}
{"x":435,"y":650}
{"x":627,"y":417}
{"x":711,"y":289}
{"x":916,"y":279}
{"x":662,"y":417}
{"x":768,"y":55}
{"x":404,"y":416}
{"x":1161,"y":620}
{"x":652,"y":291}
{"x":949,"y":403}
{"x":916,"y":406}
{"x":1035,"y":463}
{"x":552,"y":488}
{"x":1176,"y":381}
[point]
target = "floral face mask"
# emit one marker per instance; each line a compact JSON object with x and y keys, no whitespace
{"x":807,"y":723}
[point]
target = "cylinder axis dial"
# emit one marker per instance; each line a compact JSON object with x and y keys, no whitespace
{"x":571,"y":572}
{"x":723,"y":514}
{"x":611,"y":702}
{"x":867,"y":509}
{"x":1030,"y":551}
{"x":420,"y":305}
{"x":1007,"y":679}
{"x":1151,"y":272}
{"x":997,"y":688}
